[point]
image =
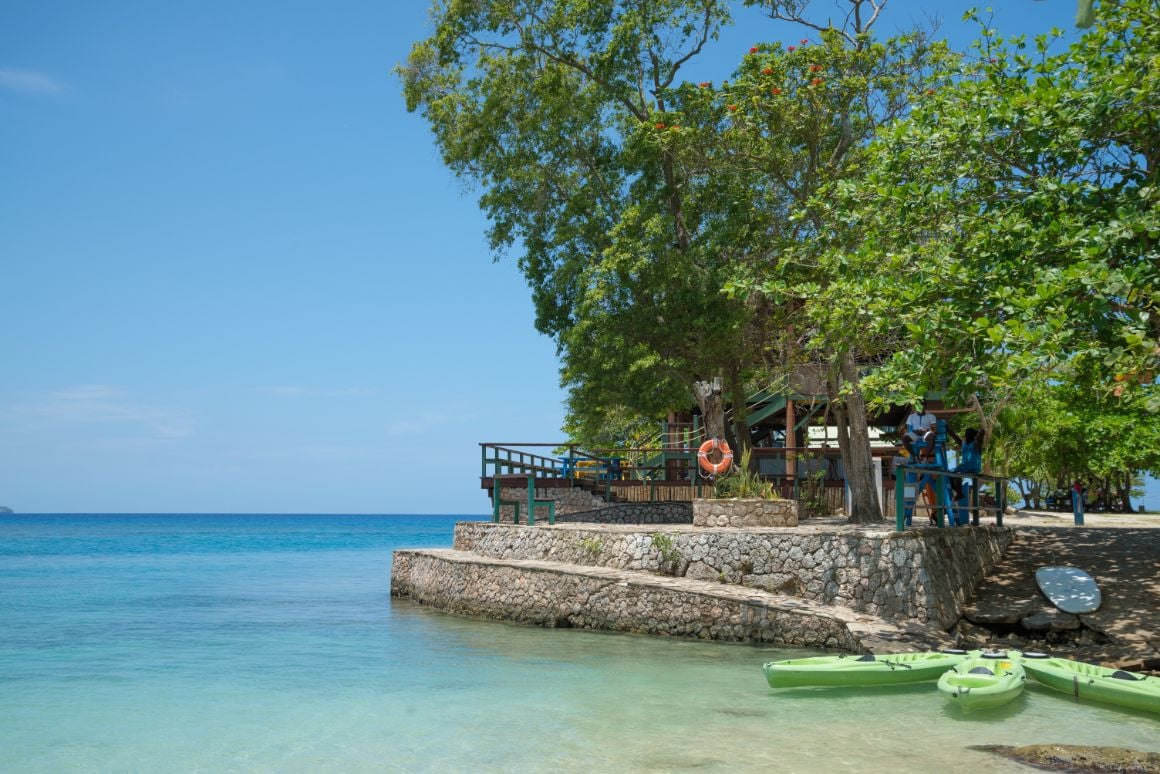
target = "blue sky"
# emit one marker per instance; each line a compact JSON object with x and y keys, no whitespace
{"x":236,"y":276}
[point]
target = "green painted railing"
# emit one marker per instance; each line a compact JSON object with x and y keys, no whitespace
{"x":907,"y":492}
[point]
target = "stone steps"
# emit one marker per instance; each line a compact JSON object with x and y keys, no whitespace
{"x":564,"y":594}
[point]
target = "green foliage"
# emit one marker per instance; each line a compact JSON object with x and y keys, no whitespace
{"x":999,"y":243}
{"x":1067,"y":431}
{"x":550,"y":107}
{"x":1007,"y":229}
{"x":670,"y":555}
{"x":985,"y":225}
{"x":592,"y":546}
{"x":811,"y":491}
{"x":742,"y":482}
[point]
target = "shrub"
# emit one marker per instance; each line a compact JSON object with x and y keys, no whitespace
{"x":741,"y":482}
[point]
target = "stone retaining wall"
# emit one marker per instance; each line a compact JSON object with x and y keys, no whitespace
{"x":923,"y":575}
{"x":577,"y":505}
{"x":593,"y":598}
{"x":633,"y":513}
{"x":746,"y":513}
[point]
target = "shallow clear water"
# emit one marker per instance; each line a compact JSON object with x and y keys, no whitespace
{"x":270,"y":643}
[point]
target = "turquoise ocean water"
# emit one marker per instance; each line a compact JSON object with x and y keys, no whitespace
{"x":271,"y":643}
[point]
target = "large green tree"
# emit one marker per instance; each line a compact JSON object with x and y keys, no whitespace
{"x":795,"y":120}
{"x":551,"y":108}
{"x":1005,"y":233}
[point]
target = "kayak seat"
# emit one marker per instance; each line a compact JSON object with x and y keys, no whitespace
{"x":980,"y":670}
{"x":867,"y":657}
{"x":1120,"y":674}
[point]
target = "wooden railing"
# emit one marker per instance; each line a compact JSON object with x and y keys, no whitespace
{"x":667,"y":473}
{"x":814,"y":475}
{"x":940,"y":508}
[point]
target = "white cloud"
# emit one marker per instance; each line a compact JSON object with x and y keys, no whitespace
{"x":288,"y":391}
{"x":28,"y":81}
{"x":297,"y":391}
{"x":425,"y":421}
{"x":87,"y":392}
{"x":102,"y":404}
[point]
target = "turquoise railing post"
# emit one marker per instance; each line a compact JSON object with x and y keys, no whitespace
{"x":497,"y":502}
{"x":495,"y":499}
{"x":974,"y":502}
{"x":899,"y":501}
{"x":942,"y":498}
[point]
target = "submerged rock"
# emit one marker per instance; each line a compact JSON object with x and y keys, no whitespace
{"x":1078,"y":758}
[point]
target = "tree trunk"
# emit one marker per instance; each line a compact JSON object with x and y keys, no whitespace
{"x":740,"y":414}
{"x":708,"y":395}
{"x":856,"y":455}
{"x":1024,"y":488}
{"x":1124,"y":491}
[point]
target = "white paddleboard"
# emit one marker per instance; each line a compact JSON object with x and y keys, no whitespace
{"x":1069,"y":588}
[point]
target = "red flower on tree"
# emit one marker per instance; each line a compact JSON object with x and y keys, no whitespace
{"x":767,"y":71}
{"x":775,"y":91}
{"x":791,"y":48}
{"x":731,"y":108}
{"x":815,"y":68}
{"x":817,"y":81}
{"x":753,"y":50}
{"x":660,"y":126}
{"x":705,"y":84}
{"x":805,"y":41}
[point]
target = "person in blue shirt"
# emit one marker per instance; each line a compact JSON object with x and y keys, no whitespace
{"x":970,"y":456}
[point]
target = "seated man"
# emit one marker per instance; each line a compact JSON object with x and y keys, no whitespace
{"x":916,"y":426}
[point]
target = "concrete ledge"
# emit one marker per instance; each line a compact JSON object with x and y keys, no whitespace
{"x":921,"y":575}
{"x":555,"y":594}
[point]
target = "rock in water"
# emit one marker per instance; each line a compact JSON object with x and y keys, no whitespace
{"x":1078,"y":758}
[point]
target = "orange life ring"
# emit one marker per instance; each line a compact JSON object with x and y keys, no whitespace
{"x":715,"y":468}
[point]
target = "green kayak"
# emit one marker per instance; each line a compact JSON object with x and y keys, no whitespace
{"x":889,"y":669}
{"x":983,"y":680}
{"x":1097,"y":683}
